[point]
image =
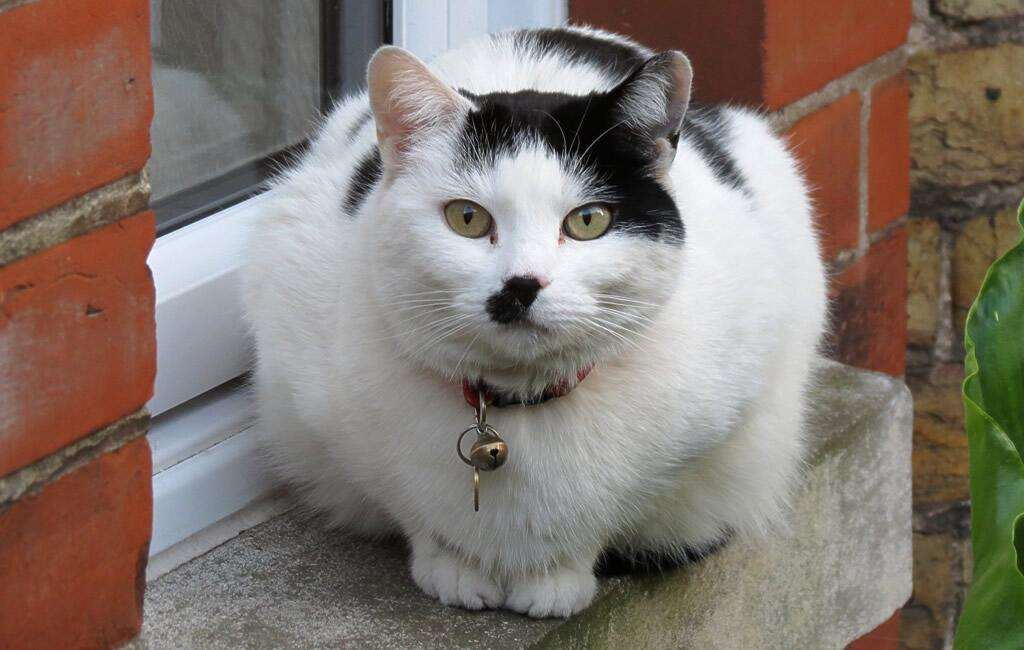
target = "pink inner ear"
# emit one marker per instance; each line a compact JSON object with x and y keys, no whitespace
{"x":408,"y":99}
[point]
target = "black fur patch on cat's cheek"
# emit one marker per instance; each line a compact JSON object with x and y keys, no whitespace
{"x":705,"y":129}
{"x":368,"y":174}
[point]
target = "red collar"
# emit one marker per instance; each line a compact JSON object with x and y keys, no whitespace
{"x":498,"y":399}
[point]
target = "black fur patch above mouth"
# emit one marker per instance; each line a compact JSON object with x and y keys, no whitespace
{"x":504,"y":310}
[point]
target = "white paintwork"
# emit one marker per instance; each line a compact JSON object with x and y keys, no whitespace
{"x":208,"y":419}
{"x":200,"y":335}
{"x":510,"y":14}
{"x":418,"y":29}
{"x":206,"y":488}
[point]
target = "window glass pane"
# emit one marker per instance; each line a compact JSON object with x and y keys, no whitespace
{"x":235,"y":81}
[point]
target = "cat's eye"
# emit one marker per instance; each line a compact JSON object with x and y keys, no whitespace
{"x":588,"y":221}
{"x":467,"y":218}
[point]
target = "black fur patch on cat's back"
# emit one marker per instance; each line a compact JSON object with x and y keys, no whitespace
{"x":706,"y":129}
{"x":368,"y":174}
{"x":581,"y":130}
{"x":617,"y":58}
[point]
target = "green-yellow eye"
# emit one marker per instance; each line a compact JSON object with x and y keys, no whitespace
{"x":588,"y":221}
{"x":467,"y":218}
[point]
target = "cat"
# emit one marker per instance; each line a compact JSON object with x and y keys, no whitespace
{"x":540,"y":217}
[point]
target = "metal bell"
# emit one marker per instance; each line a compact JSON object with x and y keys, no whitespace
{"x":489,"y":452}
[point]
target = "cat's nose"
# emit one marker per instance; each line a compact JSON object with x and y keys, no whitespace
{"x":511,"y":303}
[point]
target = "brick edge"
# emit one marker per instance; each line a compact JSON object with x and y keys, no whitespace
{"x":30,"y":480}
{"x":81,"y":215}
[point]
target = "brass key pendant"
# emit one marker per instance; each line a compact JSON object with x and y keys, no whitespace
{"x":488,"y":452}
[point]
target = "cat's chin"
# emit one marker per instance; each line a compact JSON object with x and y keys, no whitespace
{"x":523,"y":357}
{"x":519,"y":373}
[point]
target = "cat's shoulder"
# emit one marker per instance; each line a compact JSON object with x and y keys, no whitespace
{"x":739,"y":145}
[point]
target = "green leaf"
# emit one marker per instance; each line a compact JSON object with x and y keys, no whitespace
{"x":993,"y":615}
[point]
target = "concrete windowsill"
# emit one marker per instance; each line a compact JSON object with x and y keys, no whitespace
{"x":841,"y":569}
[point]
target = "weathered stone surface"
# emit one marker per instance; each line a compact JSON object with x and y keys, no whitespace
{"x":923,"y":262}
{"x":940,"y":438}
{"x":980,"y":243}
{"x":965,"y":116}
{"x":840,"y":570}
{"x":979,"y":9}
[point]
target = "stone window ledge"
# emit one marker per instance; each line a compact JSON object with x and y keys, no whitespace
{"x":842,"y":568}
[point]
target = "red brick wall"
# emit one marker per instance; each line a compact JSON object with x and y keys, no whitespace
{"x":77,"y":348}
{"x":831,"y":73}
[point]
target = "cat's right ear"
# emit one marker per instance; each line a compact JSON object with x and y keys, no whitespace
{"x":408,"y":100}
{"x":654,"y":99}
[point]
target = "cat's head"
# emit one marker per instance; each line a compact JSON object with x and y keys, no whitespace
{"x":523,"y":235}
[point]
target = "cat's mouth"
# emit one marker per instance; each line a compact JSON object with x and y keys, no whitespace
{"x":523,"y":339}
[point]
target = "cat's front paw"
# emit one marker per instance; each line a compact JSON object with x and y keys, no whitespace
{"x":454,"y":582}
{"x":558,"y":593}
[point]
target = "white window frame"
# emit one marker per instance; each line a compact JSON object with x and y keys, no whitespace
{"x":207,"y":485}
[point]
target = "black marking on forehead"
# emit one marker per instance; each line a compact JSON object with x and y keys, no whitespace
{"x":618,"y":58}
{"x":705,"y":128}
{"x":583,"y":132}
{"x":367,"y":175}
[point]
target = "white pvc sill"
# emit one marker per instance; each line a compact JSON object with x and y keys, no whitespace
{"x":205,"y":457}
{"x":200,"y":332}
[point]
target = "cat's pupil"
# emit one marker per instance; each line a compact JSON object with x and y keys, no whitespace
{"x":587,"y":217}
{"x":467,"y":215}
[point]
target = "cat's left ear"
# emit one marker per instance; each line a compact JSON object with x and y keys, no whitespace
{"x":653,"y":100}
{"x":408,"y":101}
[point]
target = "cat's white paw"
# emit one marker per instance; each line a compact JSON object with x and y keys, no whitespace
{"x":446,"y":577}
{"x":559,"y":593}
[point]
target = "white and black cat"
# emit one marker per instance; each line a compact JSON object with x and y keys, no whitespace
{"x":522,"y":210}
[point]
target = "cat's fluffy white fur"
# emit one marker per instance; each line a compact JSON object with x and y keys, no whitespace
{"x":687,"y":430}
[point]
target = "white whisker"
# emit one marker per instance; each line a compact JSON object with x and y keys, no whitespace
{"x":433,"y":325}
{"x":624,"y":329}
{"x":455,"y":373}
